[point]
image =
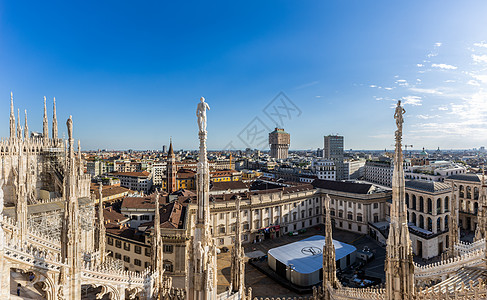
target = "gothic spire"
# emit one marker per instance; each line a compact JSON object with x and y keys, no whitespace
{"x":237,"y":263}
{"x":26,"y":127}
{"x":157,"y":252}
{"x":329,"y":264}
{"x":481,"y":230}
{"x":45,"y":131}
{"x":399,"y":265}
{"x":80,"y":162}
{"x":19,"y":128}
{"x":101,"y":225}
{"x":12,"y":116}
{"x":54,"y":120}
{"x":70,"y":233}
{"x":171,"y":151}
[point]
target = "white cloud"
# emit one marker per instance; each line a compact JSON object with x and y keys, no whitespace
{"x":481,"y":44}
{"x":449,"y":80}
{"x":372,"y":86}
{"x":317,"y":96}
{"x":420,"y":65}
{"x":438,"y":44}
{"x":426,"y":91}
{"x":426,"y":117}
{"x":388,"y":88}
{"x":418,"y":80}
{"x":442,"y":108}
{"x":412,"y":100}
{"x":473,"y":82}
{"x":401,"y":80}
{"x":444,"y":66}
{"x":481,"y":78}
{"x":479,"y":58}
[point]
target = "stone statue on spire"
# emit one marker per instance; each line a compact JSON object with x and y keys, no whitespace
{"x":398,"y":115}
{"x":201,"y":114}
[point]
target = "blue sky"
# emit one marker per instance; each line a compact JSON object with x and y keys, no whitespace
{"x":131,"y":73}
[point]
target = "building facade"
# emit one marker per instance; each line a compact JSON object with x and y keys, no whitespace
{"x":279,"y":141}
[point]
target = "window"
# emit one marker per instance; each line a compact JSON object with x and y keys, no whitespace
{"x":376,"y":218}
{"x":118,"y":256}
{"x":138,"y":249}
{"x":234,"y":214}
{"x":168,"y":266}
{"x":310,"y":212}
{"x":302,"y":214}
{"x":246,"y":226}
{"x":317,"y":210}
{"x":350,"y":216}
{"x":341,"y":203}
{"x":340,"y":214}
{"x":137,"y":262}
{"x":147,"y":251}
{"x":221,"y":241}
{"x":350,"y":226}
{"x":168,"y":248}
{"x":118,"y":244}
{"x":267,"y":210}
{"x":332,"y":212}
{"x":349,"y":204}
{"x":110,"y":241}
{"x":302,"y":225}
{"x":359,"y":218}
{"x":295,"y":216}
{"x":332,"y":201}
{"x":145,"y":217}
{"x":359,"y":228}
{"x":126,"y":246}
{"x":376,"y":205}
{"x":294,"y":226}
{"x":246,"y":212}
{"x":222,"y":215}
{"x":135,"y":218}
{"x":359,"y":205}
{"x":221,"y":229}
{"x":256,"y":212}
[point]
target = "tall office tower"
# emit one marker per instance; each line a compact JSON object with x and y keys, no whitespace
{"x":333,"y":150}
{"x":279,"y":141}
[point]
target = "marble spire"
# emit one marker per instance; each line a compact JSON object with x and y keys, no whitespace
{"x":45,"y":129}
{"x":399,"y":265}
{"x":237,"y":267}
{"x":480,"y":231}
{"x":19,"y":128}
{"x":202,"y":283}
{"x":54,"y":120}
{"x":26,"y":127}
{"x":329,"y":260}
{"x":12,"y":117}
{"x":101,"y":225}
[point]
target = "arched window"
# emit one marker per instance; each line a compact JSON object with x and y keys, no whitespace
{"x":430,"y":224}
{"x":476,"y":193}
{"x":469,"y":192}
{"x":438,"y":224}
{"x":414,"y":202}
{"x":446,"y":222}
{"x":438,"y":206}
{"x":407,"y":200}
{"x":430,"y":206}
{"x":421,"y":221}
{"x":447,"y":204}
{"x":421,"y":204}
{"x":413,"y":217}
{"x":461,"y":191}
{"x":475,"y":207}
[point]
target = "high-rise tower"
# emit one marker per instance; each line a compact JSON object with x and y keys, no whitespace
{"x":333,"y":150}
{"x":279,"y":141}
{"x":171,"y":170}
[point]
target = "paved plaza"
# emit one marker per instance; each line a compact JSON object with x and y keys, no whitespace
{"x":263,"y":286}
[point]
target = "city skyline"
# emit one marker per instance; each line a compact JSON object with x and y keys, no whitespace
{"x":340,"y":66}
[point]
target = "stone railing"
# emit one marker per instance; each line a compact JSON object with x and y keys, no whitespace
{"x":463,"y":247}
{"x":9,"y":224}
{"x":29,"y":255}
{"x":346,"y":293}
{"x":444,"y":267}
{"x":43,"y":240}
{"x":109,"y":275}
{"x":471,"y":291}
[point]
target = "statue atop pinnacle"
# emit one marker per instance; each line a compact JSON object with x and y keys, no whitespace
{"x":398,"y":115}
{"x":201,"y":114}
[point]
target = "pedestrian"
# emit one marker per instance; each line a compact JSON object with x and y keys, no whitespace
{"x":18,"y":289}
